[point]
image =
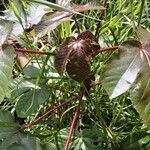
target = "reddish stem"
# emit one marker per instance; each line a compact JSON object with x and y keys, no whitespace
{"x":34,"y":51}
{"x":51,"y":109}
{"x":54,"y":53}
{"x":108,"y":49}
{"x":73,"y":123}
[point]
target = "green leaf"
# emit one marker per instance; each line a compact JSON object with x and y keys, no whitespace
{"x":130,"y":68}
{"x":134,"y":141}
{"x":20,"y":86}
{"x":28,"y":20}
{"x":142,"y":35}
{"x":9,"y":127}
{"x":26,"y":143}
{"x":89,"y":139}
{"x":30,"y":101}
{"x":11,"y":139}
{"x":5,"y":30}
{"x":6,"y":66}
{"x":122,"y":69}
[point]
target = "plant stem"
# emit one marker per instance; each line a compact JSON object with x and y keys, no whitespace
{"x":34,"y":51}
{"x":107,"y":49}
{"x":73,"y":123}
{"x":54,"y":53}
{"x":51,"y":109}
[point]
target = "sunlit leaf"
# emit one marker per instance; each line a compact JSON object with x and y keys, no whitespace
{"x":6,"y":65}
{"x":51,"y":22}
{"x":5,"y":30}
{"x":122,"y":69}
{"x":130,"y":69}
{"x":30,"y":101}
{"x":57,"y":18}
{"x":32,"y":18}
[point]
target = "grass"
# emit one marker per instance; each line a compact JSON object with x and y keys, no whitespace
{"x":115,"y":119}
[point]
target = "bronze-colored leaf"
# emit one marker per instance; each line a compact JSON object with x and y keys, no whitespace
{"x":86,"y":35}
{"x":89,"y":43}
{"x":78,"y":66}
{"x":76,"y":54}
{"x":63,"y":54}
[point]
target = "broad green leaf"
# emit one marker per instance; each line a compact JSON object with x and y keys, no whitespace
{"x":11,"y":139}
{"x":30,"y":101}
{"x":5,"y":30}
{"x":142,"y":35}
{"x":9,"y":127}
{"x":135,"y":141}
{"x":130,"y":69}
{"x":122,"y":69}
{"x":89,"y":139}
{"x":20,"y":86}
{"x":6,"y":65}
{"x":26,"y":143}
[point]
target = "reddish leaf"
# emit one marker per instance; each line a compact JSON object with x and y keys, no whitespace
{"x":78,"y":52}
{"x":78,"y":66}
{"x":62,"y":55}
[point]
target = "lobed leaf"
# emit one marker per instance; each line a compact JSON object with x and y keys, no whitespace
{"x":6,"y":66}
{"x":75,"y":54}
{"x":63,"y":55}
{"x":51,"y":22}
{"x":5,"y":30}
{"x":122,"y":69}
{"x":130,"y":69}
{"x":78,"y":66}
{"x":30,"y":101}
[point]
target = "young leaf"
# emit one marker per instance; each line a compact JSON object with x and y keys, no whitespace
{"x":78,"y":66}
{"x":5,"y":30}
{"x":75,"y":54}
{"x":30,"y":101}
{"x":6,"y":66}
{"x":63,"y":55}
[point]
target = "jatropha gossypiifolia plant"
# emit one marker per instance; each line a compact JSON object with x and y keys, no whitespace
{"x":75,"y":55}
{"x":126,"y":70}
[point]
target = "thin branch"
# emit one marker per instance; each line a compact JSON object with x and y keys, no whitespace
{"x":54,"y":53}
{"x":51,"y":109}
{"x":34,"y":51}
{"x":106,"y":49}
{"x":73,"y":123}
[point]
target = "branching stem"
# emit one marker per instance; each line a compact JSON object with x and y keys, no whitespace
{"x":73,"y":123}
{"x":51,"y":109}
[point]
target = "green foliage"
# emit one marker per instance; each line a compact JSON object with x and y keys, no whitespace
{"x":30,"y":86}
